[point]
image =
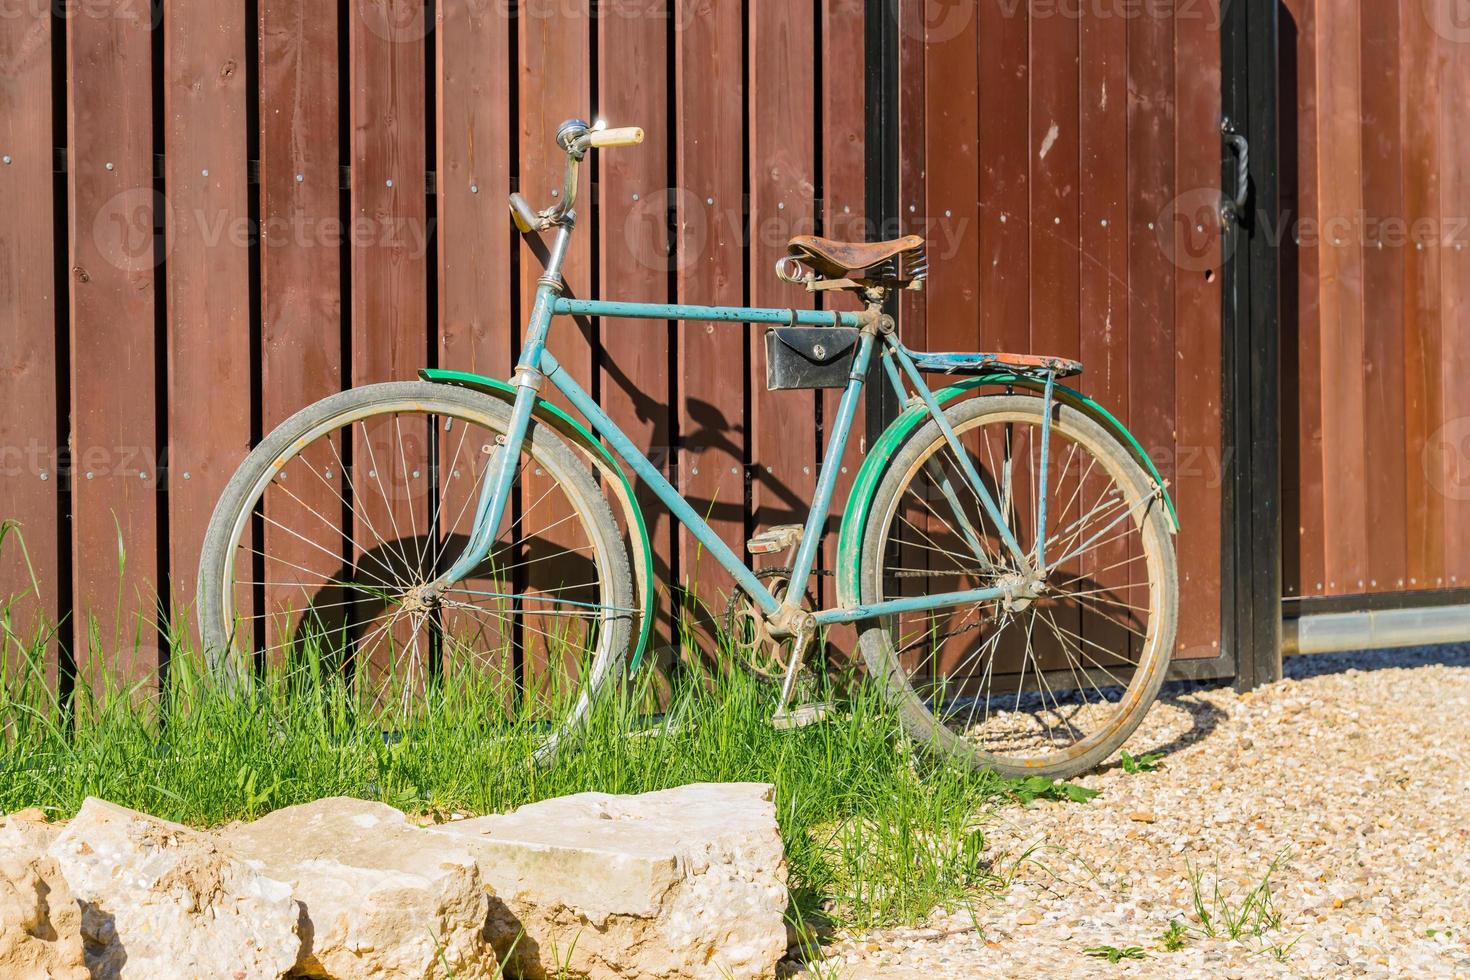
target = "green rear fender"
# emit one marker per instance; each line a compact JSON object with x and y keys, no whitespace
{"x":865,"y":484}
{"x":613,"y":477}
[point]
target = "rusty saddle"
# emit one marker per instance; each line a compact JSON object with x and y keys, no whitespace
{"x":819,"y":357}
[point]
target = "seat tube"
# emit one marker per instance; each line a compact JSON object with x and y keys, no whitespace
{"x":806,"y":554}
{"x":495,"y":493}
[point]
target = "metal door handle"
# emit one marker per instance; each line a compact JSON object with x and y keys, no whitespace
{"x":1234,"y":206}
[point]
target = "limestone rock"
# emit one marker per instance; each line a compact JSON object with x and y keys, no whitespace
{"x":158,"y":899}
{"x":684,"y":883}
{"x":40,"y":924}
{"x":381,"y":897}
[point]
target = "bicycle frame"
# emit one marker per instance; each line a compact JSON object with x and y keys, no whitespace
{"x":536,"y":365}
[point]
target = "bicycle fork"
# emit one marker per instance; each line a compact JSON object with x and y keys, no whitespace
{"x":501,"y":467}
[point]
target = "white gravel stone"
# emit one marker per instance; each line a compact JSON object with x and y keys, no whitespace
{"x":1353,"y":774}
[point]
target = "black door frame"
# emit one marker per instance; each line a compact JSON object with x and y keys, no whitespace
{"x":882,"y":107}
{"x":1251,"y":567}
{"x":1251,"y":552}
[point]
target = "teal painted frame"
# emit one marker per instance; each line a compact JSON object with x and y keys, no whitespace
{"x":865,"y":483}
{"x":537,"y":364}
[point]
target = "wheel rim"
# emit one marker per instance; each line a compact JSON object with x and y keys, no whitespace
{"x":1047,"y":678}
{"x":531,"y":626}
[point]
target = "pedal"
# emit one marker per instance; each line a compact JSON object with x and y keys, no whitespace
{"x":782,"y":537}
{"x":802,"y":715}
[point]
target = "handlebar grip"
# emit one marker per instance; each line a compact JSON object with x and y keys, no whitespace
{"x":626,"y":136}
{"x":524,"y":216}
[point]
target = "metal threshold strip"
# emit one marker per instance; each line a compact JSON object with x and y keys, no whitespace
{"x":1338,"y":632}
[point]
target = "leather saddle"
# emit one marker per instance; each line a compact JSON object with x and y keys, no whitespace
{"x":896,"y":262}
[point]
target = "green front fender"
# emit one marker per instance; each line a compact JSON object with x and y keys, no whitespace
{"x":613,"y":476}
{"x":865,"y":484}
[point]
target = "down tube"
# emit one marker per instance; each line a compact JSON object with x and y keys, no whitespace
{"x":677,"y":505}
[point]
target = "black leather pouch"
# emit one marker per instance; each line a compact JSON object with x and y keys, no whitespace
{"x":809,"y":357}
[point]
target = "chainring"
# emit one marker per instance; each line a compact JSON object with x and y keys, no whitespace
{"x":755,"y":649}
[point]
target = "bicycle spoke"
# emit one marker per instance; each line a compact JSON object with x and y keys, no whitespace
{"x":347,"y":569}
{"x":1040,"y":677}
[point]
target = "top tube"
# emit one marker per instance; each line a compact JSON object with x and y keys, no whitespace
{"x":724,"y":314}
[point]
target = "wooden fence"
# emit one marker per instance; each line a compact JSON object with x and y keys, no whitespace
{"x":211,"y":216}
{"x":1064,"y":160}
{"x":1376,"y":326}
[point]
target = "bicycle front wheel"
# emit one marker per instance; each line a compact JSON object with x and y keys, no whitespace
{"x":1054,"y":680}
{"x":320,"y":552}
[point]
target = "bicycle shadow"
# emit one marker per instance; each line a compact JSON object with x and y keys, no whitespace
{"x":355,"y":598}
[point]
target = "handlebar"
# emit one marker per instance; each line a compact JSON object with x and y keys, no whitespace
{"x":627,"y":136}
{"x":575,"y":137}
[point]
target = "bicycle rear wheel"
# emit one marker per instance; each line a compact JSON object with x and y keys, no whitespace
{"x":1051,"y":684}
{"x":320,"y":551}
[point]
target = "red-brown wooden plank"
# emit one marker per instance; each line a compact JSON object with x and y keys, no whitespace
{"x":1197,"y":302}
{"x":208,"y":271}
{"x":1054,"y":178}
{"x":1304,"y":572}
{"x":635,"y":250}
{"x":1449,"y":459}
{"x":475,"y":287}
{"x":1103,"y":219}
{"x":1151,"y":274}
{"x":952,"y":207}
{"x":115,"y":455}
{"x":911,"y":151}
{"x":389,"y":259}
{"x":390,"y":331}
{"x":913,"y":70}
{"x":1054,"y":260}
{"x":1005,"y":176}
{"x":301,"y":276}
{"x":1151,"y":189}
{"x":843,"y":185}
{"x":1385,"y":500}
{"x":1423,"y":401}
{"x":1344,"y":450}
{"x":28,"y":477}
{"x":474,"y":153}
{"x":782,"y":191}
{"x":1103,"y":286}
{"x":554,"y":86}
{"x":709,"y":95}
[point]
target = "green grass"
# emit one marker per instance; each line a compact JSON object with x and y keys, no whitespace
{"x":1252,"y":916}
{"x":874,"y":835}
{"x":1175,"y":937}
{"x":1116,"y":954}
{"x":1133,"y":765}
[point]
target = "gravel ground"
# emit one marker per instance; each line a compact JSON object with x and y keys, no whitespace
{"x":1352,"y":776}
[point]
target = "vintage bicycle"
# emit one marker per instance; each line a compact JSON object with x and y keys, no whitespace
{"x":1005,"y":553}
